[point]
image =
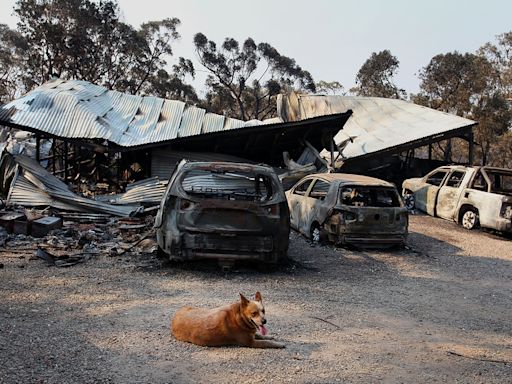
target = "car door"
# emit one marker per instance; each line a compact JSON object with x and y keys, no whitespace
{"x":306,"y":205}
{"x":449,"y":194}
{"x":315,"y":208}
{"x":426,"y":195}
{"x":295,"y":202}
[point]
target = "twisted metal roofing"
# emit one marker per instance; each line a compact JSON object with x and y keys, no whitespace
{"x":33,"y":185}
{"x":376,"y":123}
{"x":77,"y":109}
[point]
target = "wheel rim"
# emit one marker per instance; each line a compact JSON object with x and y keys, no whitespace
{"x":315,"y":235}
{"x":409,"y":201}
{"x":469,"y":220}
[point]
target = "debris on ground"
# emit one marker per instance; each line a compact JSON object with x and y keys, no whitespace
{"x":63,"y":239}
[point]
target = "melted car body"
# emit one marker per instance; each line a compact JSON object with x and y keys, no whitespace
{"x":224,"y":211}
{"x":348,"y":209}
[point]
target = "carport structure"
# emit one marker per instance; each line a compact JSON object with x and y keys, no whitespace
{"x":78,"y":113}
{"x":379,"y":128}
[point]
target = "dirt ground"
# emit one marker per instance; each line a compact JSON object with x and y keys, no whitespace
{"x":438,"y":311}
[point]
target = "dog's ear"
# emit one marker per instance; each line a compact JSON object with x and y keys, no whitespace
{"x":258,"y":297}
{"x":243,"y":300}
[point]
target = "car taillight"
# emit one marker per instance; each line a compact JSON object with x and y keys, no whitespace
{"x":186,"y":204}
{"x":273,"y":209}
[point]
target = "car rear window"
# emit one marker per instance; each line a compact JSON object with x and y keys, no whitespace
{"x":227,"y":185}
{"x":361,"y":196}
{"x":501,"y":182}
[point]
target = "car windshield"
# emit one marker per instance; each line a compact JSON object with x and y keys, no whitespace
{"x":361,"y":196}
{"x":501,"y":181}
{"x":227,"y":185}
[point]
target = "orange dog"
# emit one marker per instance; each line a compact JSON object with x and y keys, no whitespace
{"x":234,"y":324}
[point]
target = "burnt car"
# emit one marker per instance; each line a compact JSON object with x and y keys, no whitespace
{"x":224,"y":211}
{"x":469,"y":195}
{"x":348,"y":209}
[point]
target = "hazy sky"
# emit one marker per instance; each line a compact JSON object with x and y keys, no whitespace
{"x":331,"y":39}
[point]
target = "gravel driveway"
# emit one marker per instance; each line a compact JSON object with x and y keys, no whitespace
{"x":438,"y":311}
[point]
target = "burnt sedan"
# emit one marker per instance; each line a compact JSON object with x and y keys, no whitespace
{"x":348,"y":209}
{"x":224,"y":211}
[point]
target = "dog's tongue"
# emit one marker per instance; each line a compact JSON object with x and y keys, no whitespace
{"x":263,"y":330}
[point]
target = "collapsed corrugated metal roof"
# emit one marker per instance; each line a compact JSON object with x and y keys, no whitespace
{"x":147,"y":191}
{"x":377,"y":124}
{"x":34,"y":186}
{"x":76,"y":109}
{"x":267,"y":143}
{"x":80,"y":110}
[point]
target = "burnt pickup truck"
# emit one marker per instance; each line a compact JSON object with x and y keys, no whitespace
{"x":471,"y":196}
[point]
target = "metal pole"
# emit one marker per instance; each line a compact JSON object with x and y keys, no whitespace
{"x":332,"y":150}
{"x":54,"y":156}
{"x":38,"y":147}
{"x":65,"y":160}
{"x":471,"y":147}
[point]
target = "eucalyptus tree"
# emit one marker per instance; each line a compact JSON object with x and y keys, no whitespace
{"x":244,"y":78}
{"x":375,"y":77}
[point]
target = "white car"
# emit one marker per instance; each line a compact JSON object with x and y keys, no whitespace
{"x":472,"y":196}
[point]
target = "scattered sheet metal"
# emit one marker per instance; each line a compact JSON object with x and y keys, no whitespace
{"x":86,"y":217}
{"x":377,"y":124}
{"x":147,"y":192}
{"x":81,"y":110}
{"x":34,"y":186}
{"x":63,"y":260}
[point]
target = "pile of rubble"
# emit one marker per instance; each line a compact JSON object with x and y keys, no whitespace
{"x":65,"y":239}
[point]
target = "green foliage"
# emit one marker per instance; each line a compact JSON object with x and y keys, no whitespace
{"x":236,"y":87}
{"x":375,"y":77}
{"x":330,"y":88}
{"x":468,"y":85}
{"x":500,"y":56}
{"x":12,"y":46}
{"x":452,"y":82}
{"x":86,"y":40}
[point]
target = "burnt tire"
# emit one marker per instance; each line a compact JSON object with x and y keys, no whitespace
{"x":469,"y":218}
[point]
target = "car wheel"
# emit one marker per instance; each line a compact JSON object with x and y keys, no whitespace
{"x":470,"y":218}
{"x":409,"y":200}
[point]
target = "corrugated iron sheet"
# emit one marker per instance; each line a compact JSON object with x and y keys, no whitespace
{"x":78,"y":109}
{"x":376,"y":123}
{"x":148,"y":191}
{"x":164,"y":160}
{"x":34,"y":186}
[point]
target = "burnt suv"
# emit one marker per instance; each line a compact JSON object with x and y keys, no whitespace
{"x":223,"y":211}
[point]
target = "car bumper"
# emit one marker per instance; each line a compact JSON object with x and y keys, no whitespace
{"x":369,"y":240}
{"x":504,"y":225}
{"x":223,"y":246}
